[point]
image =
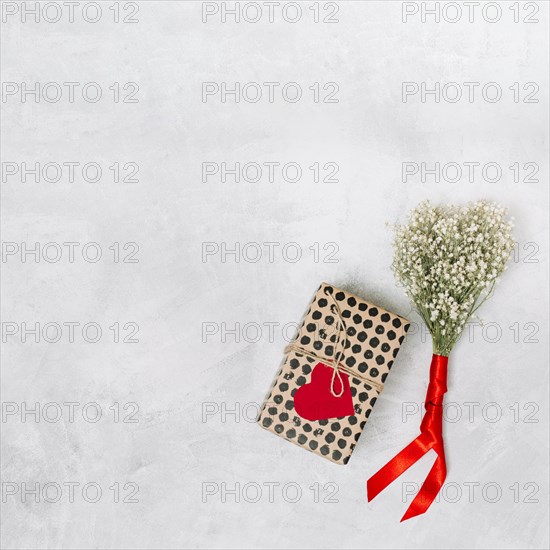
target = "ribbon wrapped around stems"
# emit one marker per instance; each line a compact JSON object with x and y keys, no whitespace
{"x":431,"y":437}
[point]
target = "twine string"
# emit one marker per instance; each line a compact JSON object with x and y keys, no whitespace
{"x":340,"y":353}
{"x":339,"y":347}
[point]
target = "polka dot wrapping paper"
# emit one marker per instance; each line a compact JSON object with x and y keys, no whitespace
{"x":309,"y":403}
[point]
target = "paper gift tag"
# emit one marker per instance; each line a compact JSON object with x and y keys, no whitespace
{"x":315,"y":401}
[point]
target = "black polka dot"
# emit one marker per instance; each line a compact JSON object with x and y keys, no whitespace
{"x":384,"y":376}
{"x":350,"y":361}
{"x":385,"y":347}
{"x":363,"y":306}
{"x":390,"y":364}
{"x":283,"y":417}
{"x":306,"y":369}
{"x":278,"y":399}
{"x":302,"y":439}
{"x":357,"y":436}
{"x":267,"y":422}
{"x":313,"y":444}
{"x":323,"y":422}
{"x":362,"y":367}
{"x":406,"y":327}
{"x":396,"y":323}
{"x":346,"y":314}
{"x":291,"y":433}
{"x":311,"y":327}
{"x":305,"y":340}
{"x":357,"y":319}
{"x":380,"y":360}
{"x":373,"y":401}
{"x":336,"y":455}
{"x":329,"y":438}
{"x":279,"y":428}
{"x":329,"y":350}
{"x":342,"y":443}
{"x":346,"y":460}
{"x":379,"y":329}
{"x":362,"y":336}
{"x":335,"y":426}
{"x":401,"y":338}
{"x":352,"y":420}
{"x":322,"y":302}
{"x":294,"y":363}
{"x":391,"y":335}
{"x":318,"y":345}
{"x":283,"y":386}
{"x":351,"y":331}
{"x":356,"y":348}
{"x":307,"y":427}
{"x":373,"y":342}
{"x":340,"y":296}
{"x":373,"y":312}
{"x":374,"y":372}
{"x":300,"y":381}
{"x":363,"y":396}
{"x":368,"y":354}
{"x":395,"y":352}
{"x":316,"y":315}
{"x":385,"y":317}
{"x":272,"y":410}
{"x":346,"y":432}
{"x":353,"y":391}
{"x":324,"y":450}
{"x":352,"y":301}
{"x":329,"y":319}
{"x":289,"y":405}
{"x":367,"y":323}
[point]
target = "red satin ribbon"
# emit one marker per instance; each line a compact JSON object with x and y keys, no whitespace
{"x":431,"y":437}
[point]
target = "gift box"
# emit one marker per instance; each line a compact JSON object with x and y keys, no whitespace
{"x":332,"y":373}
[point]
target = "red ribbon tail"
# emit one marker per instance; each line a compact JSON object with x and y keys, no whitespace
{"x":400,"y":463}
{"x":431,"y":486}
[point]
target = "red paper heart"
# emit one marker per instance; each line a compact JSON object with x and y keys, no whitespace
{"x":314,"y":401}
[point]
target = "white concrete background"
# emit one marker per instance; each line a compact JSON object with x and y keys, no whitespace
{"x":172,"y":374}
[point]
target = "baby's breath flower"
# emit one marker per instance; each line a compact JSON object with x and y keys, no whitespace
{"x":449,"y":259}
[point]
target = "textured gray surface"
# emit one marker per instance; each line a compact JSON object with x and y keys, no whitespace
{"x":184,"y":454}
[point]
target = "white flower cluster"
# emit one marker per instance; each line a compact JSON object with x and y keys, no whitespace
{"x":449,"y":259}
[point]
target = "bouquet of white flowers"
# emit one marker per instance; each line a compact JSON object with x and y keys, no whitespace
{"x":449,"y":259}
